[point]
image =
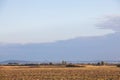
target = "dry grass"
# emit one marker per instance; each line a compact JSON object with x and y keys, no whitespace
{"x":37,"y":73}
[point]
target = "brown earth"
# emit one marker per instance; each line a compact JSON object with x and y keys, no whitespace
{"x":59,"y":73}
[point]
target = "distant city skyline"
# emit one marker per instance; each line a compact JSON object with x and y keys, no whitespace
{"x":38,"y":21}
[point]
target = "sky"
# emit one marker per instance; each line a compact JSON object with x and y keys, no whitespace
{"x":41,"y":21}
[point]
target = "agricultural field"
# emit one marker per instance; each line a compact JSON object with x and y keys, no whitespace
{"x":57,"y":73}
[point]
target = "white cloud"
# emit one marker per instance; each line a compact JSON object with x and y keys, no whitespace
{"x":110,"y":22}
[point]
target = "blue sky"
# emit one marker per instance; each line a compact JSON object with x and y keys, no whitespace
{"x":37,"y":21}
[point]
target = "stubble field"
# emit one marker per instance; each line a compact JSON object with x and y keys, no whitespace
{"x":57,"y":73}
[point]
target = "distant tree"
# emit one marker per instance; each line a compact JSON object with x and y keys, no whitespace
{"x":31,"y":64}
{"x":118,"y":65}
{"x":50,"y":63}
{"x":98,"y":63}
{"x":101,"y":63}
{"x":64,"y":62}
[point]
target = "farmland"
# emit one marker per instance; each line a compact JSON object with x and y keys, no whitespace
{"x":59,"y":73}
